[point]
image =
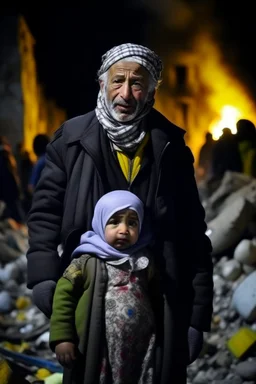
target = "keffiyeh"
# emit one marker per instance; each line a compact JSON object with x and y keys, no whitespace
{"x":127,"y":135}
{"x":140,"y":54}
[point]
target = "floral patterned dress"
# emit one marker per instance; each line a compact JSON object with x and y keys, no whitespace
{"x":129,"y":320}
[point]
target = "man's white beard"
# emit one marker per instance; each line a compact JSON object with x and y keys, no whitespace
{"x":118,"y":116}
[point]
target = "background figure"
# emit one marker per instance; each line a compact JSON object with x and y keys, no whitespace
{"x":226,"y":156}
{"x":25,"y":165}
{"x":205,"y":157}
{"x":10,"y":185}
{"x":246,"y":136}
{"x":39,"y":146}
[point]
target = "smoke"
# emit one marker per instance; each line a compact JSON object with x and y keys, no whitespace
{"x":228,"y":25}
{"x":176,"y":15}
{"x":171,"y":13}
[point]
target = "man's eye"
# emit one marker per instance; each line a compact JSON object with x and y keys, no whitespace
{"x":133,"y":223}
{"x":137,"y":84}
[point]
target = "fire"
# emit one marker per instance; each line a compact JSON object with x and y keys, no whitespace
{"x":213,"y":95}
{"x":229,"y":116}
{"x":227,"y":97}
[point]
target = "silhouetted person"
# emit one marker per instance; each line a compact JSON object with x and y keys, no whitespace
{"x":226,"y":156}
{"x":10,"y":186}
{"x":246,"y":136}
{"x":25,"y":165}
{"x":39,"y":146}
{"x":205,"y":156}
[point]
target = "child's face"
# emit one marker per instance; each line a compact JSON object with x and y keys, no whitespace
{"x":122,"y":229}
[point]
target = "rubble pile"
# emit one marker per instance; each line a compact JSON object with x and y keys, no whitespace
{"x":229,"y":352}
{"x":25,"y":356}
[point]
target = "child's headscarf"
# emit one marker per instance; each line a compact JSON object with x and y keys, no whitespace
{"x":94,"y":241}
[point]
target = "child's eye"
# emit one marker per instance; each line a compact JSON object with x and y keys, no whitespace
{"x":133,"y":223}
{"x":113,"y":222}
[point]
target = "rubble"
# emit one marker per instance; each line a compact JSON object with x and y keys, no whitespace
{"x":25,"y":356}
{"x":229,"y":352}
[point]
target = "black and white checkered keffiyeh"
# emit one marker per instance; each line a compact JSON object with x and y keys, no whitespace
{"x":142,"y":55}
{"x":127,"y":135}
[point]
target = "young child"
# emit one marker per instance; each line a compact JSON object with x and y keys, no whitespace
{"x":102,"y":327}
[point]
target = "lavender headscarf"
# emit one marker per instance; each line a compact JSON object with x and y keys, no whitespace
{"x":94,"y":241}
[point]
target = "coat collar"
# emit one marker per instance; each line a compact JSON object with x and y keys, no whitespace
{"x":77,"y":127}
{"x":86,"y":129}
{"x":163,"y":133}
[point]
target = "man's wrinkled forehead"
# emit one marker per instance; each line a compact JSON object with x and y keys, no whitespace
{"x":122,"y":68}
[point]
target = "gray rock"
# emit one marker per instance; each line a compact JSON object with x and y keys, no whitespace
{"x":231,"y":270}
{"x":247,"y":369}
{"x":223,"y":359}
{"x":244,"y":298}
{"x":228,"y":227}
{"x":5,"y":302}
{"x":200,"y":378}
{"x":249,"y":268}
{"x":233,"y":380}
{"x":245,"y":252}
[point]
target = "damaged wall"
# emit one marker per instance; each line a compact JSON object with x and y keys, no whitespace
{"x":24,"y":109}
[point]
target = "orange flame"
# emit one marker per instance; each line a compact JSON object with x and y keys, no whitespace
{"x":229,"y":116}
{"x":220,"y":98}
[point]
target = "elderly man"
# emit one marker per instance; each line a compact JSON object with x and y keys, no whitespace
{"x":126,"y":144}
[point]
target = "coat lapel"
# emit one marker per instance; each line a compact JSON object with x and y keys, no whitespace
{"x":163,"y":133}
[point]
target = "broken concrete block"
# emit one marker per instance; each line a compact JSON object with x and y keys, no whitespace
{"x":228,"y":227}
{"x":245,"y":252}
{"x":231,"y":270}
{"x":244,"y":298}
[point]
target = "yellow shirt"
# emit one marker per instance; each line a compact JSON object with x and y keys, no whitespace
{"x":131,"y":167}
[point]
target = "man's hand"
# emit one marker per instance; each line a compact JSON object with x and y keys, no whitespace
{"x":43,"y":296}
{"x":66,"y":353}
{"x":195,"y":343}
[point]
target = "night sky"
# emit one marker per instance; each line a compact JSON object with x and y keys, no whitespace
{"x":70,"y":41}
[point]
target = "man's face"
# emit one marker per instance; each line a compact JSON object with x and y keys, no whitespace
{"x":127,"y":90}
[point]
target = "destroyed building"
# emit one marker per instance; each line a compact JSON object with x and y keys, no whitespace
{"x":24,"y":109}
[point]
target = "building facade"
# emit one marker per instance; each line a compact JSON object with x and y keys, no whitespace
{"x":24,"y":109}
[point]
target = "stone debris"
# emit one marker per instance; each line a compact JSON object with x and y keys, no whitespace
{"x":229,"y":352}
{"x":25,"y":356}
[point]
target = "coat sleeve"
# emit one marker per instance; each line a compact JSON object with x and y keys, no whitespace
{"x":200,"y":246}
{"x":45,"y":217}
{"x":68,"y":291}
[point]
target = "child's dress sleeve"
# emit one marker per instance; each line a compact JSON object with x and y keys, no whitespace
{"x":67,"y":294}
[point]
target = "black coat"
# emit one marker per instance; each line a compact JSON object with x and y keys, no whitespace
{"x":74,"y":179}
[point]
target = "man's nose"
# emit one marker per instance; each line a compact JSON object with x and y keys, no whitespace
{"x":126,"y":91}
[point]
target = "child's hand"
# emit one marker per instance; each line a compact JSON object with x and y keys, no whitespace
{"x":66,"y":353}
